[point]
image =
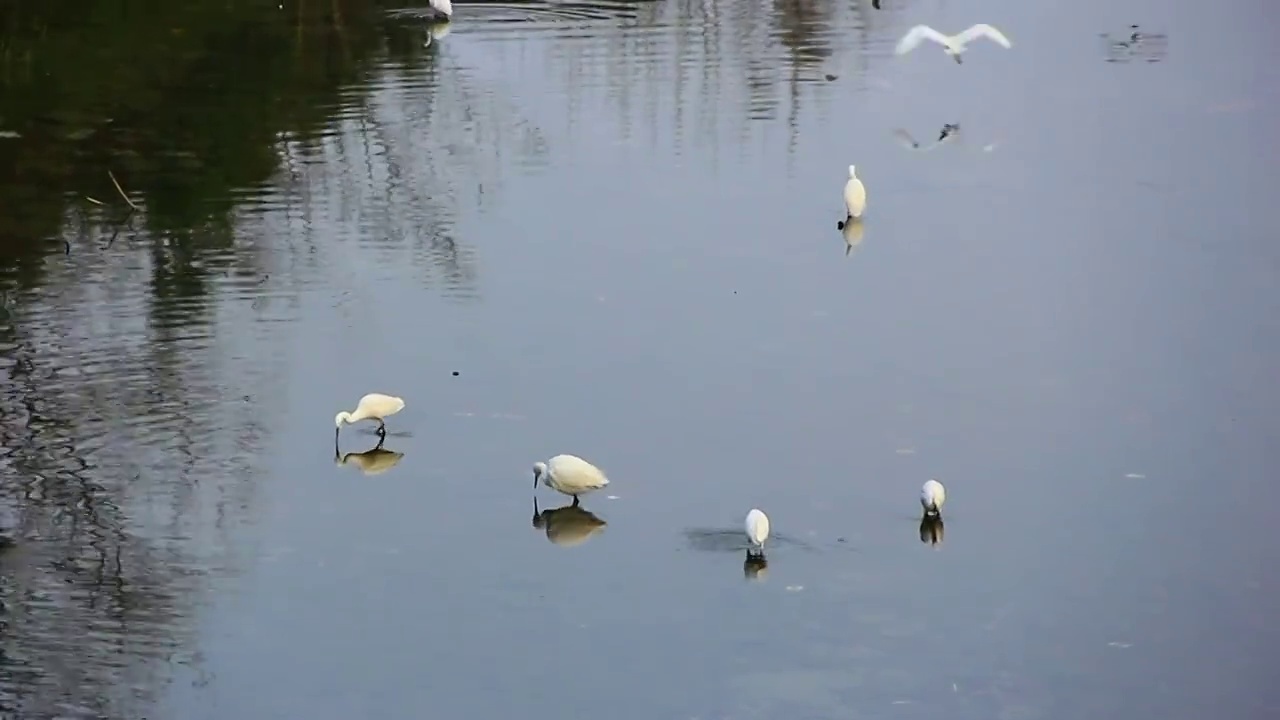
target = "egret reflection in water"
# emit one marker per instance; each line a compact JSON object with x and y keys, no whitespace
{"x":932,"y":530}
{"x":755,"y":567}
{"x":567,"y":525}
{"x":852,"y":233}
{"x":373,"y":461}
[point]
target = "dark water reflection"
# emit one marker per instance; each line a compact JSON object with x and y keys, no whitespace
{"x":615,"y":223}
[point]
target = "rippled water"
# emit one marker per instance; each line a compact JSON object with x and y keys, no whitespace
{"x":609,"y":229}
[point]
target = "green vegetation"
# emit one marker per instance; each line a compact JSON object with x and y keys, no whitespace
{"x":183,"y":100}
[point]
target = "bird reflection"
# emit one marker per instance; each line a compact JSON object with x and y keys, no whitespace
{"x":374,"y":461}
{"x":437,"y":31}
{"x":947,"y":134}
{"x":931,"y":530}
{"x":567,"y":525}
{"x":852,"y":231}
{"x":755,"y":567}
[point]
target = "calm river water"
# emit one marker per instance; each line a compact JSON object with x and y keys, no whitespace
{"x":609,"y":229}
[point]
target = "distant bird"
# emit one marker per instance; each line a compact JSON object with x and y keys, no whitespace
{"x":855,"y":196}
{"x":757,"y":529}
{"x":954,"y":45}
{"x":569,"y":474}
{"x":374,"y":406}
{"x":932,"y":496}
{"x":566,"y":526}
{"x":947,"y":134}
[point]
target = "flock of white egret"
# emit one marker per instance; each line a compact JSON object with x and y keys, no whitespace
{"x":855,"y":193}
{"x":573,"y":476}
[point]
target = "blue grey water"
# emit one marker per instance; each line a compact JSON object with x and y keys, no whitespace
{"x":616,"y":223}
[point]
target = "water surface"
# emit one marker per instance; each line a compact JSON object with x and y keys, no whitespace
{"x":615,"y":223}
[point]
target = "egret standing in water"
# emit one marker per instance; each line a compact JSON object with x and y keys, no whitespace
{"x":757,"y":529}
{"x":855,"y":198}
{"x":570,"y":475}
{"x":932,"y":496}
{"x":374,"y":406}
{"x":439,"y":11}
{"x":954,"y":45}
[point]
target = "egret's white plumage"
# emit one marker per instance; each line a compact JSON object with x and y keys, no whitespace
{"x":932,"y":496}
{"x":855,"y":195}
{"x":954,"y":45}
{"x":441,"y":10}
{"x":570,"y":475}
{"x":757,"y":528}
{"x":374,"y":406}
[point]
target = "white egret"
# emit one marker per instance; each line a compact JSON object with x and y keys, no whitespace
{"x":374,"y":406}
{"x":757,"y":529}
{"x":954,"y":45}
{"x":855,"y":195}
{"x":569,"y":474}
{"x":439,"y":11}
{"x":932,"y":496}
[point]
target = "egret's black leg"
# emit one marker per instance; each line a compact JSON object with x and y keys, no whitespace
{"x":575,"y":501}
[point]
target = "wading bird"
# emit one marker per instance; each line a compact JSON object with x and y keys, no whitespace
{"x":570,"y":475}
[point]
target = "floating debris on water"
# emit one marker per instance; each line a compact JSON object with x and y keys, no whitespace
{"x":1135,"y":476}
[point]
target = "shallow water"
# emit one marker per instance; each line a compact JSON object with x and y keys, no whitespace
{"x":616,"y":223}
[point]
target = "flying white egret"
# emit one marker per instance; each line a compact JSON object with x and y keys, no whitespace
{"x":954,"y":45}
{"x":569,"y":474}
{"x":932,"y":496}
{"x":855,"y":196}
{"x":757,"y":529}
{"x":374,"y":406}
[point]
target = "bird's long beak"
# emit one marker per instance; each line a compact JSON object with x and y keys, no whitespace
{"x":535,"y":481}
